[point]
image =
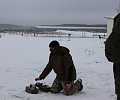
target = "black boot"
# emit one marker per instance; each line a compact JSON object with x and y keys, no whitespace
{"x":79,"y":83}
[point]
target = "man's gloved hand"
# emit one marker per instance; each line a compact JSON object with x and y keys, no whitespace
{"x":36,"y":79}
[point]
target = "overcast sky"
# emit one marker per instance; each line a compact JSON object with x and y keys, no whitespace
{"x":38,"y":12}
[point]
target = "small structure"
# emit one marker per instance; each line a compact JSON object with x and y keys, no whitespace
{"x":110,"y":21}
{"x":69,"y":36}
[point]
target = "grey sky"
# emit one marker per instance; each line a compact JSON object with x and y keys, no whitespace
{"x":38,"y":12}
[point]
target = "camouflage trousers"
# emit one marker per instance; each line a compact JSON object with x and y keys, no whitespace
{"x":116,"y":70}
{"x":58,"y":85}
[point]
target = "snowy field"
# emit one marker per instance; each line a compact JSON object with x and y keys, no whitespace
{"x":22,"y":59}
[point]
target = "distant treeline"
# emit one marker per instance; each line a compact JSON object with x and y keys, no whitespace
{"x":11,"y":28}
{"x":80,"y":25}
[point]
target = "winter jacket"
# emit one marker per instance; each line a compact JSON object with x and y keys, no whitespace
{"x":61,"y":62}
{"x":112,"y":44}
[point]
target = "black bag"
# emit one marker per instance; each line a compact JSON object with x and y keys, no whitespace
{"x":112,"y":44}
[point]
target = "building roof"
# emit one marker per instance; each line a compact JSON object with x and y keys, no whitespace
{"x":109,"y":17}
{"x":63,"y":27}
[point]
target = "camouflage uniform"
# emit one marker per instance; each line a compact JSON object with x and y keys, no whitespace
{"x":58,"y":85}
{"x":61,"y":62}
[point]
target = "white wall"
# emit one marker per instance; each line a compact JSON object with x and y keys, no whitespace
{"x":110,"y":22}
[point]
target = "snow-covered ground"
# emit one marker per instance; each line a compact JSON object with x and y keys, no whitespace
{"x":22,"y":58}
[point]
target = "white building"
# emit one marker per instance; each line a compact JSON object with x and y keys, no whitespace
{"x":67,"y":28}
{"x":110,"y":21}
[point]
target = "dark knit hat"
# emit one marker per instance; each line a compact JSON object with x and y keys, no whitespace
{"x":54,"y":44}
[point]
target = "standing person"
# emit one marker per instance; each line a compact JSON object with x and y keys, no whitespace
{"x":61,"y":62}
{"x":112,"y":52}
